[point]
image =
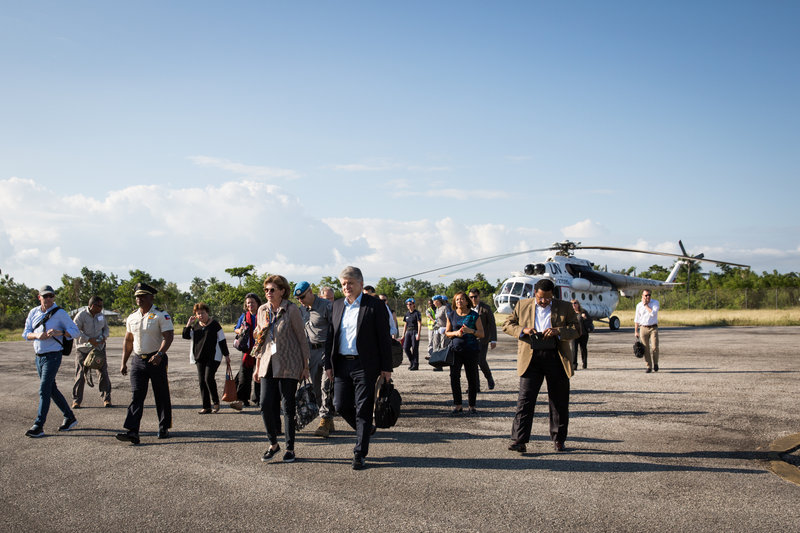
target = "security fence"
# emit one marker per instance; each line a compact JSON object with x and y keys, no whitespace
{"x":779,"y":298}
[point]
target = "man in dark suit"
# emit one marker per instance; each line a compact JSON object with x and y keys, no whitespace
{"x":544,"y":328}
{"x":357,"y":351}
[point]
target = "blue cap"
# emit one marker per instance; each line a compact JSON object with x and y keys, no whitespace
{"x":444,"y":297}
{"x":437,"y":297}
{"x":411,"y":301}
{"x":301,"y":287}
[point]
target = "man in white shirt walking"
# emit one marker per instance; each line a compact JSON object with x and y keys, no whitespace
{"x":646,"y":320}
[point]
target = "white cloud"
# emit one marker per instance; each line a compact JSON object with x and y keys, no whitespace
{"x":247,"y":171}
{"x":585,"y":229}
{"x":455,"y":194}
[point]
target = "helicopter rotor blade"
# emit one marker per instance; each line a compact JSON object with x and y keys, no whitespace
{"x":482,"y":260}
{"x":665,"y":254}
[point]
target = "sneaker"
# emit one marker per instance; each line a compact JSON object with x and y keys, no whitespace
{"x":322,"y":430}
{"x":76,"y":404}
{"x":288,"y":457}
{"x":358,"y":462}
{"x":270,"y":453}
{"x":35,"y":432}
{"x":237,"y":405}
{"x":69,"y":423}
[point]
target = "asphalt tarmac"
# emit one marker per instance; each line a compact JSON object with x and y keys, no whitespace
{"x":678,"y":450}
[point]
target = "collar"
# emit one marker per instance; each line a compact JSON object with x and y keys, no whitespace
{"x":357,"y":301}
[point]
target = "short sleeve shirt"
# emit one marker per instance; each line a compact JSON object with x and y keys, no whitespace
{"x":412,"y":320}
{"x":147,"y":329}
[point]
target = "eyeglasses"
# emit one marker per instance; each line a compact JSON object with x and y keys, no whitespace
{"x":473,"y":296}
{"x":270,"y":289}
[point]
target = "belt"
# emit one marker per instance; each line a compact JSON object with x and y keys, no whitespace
{"x":316,"y":345}
{"x":48,"y":353}
{"x":146,"y":356}
{"x":349,"y":357}
{"x":653,"y":326}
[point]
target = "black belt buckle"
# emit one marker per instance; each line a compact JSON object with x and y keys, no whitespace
{"x":350,"y":357}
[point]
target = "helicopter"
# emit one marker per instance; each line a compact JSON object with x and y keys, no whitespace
{"x":598,"y":292}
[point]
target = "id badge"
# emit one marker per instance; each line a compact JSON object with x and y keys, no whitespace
{"x":271,"y":348}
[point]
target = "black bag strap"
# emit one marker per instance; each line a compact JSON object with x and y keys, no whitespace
{"x":44,"y":320}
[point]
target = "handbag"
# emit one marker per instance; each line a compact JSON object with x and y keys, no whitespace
{"x":387,"y":405}
{"x":307,"y":409}
{"x":95,"y":359}
{"x":397,"y":353}
{"x":229,"y":393}
{"x":442,"y":358}
{"x":243,"y":340}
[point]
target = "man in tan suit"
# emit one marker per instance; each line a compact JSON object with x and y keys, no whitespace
{"x":544,"y":328}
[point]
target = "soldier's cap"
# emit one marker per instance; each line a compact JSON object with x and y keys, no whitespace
{"x":144,"y":288}
{"x":44,"y":290}
{"x":411,"y":301}
{"x":437,"y":297}
{"x":301,"y":287}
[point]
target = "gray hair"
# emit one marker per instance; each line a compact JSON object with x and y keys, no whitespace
{"x":351,"y":272}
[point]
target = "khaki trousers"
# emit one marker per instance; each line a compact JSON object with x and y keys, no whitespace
{"x":649,"y":337}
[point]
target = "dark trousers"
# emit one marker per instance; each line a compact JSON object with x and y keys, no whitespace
{"x":581,"y":341}
{"x":545,"y":365}
{"x":469,"y":360}
{"x":207,"y":376}
{"x":141,"y":372}
{"x":411,"y":347}
{"x":483,"y":364}
{"x":274,"y":393}
{"x":354,"y":399}
{"x":245,"y":384}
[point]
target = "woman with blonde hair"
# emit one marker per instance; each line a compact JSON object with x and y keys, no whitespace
{"x":281,"y":354}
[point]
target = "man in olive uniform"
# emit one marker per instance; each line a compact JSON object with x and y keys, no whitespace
{"x":148,"y":336}
{"x":316,"y":313}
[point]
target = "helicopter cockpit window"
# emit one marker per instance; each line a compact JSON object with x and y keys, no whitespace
{"x":517,"y":289}
{"x":506,"y":288}
{"x":528,"y":290}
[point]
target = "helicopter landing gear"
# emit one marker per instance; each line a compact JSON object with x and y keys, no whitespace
{"x":613,"y":323}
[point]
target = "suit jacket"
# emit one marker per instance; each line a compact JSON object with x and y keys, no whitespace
{"x":561,"y":316}
{"x":487,"y":320}
{"x":373,"y":341}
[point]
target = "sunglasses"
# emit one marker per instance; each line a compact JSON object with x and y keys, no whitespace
{"x":48,"y":295}
{"x":270,"y":289}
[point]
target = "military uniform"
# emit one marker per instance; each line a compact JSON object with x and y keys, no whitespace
{"x":147,"y":329}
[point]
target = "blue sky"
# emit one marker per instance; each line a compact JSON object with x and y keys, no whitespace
{"x":183,"y":138}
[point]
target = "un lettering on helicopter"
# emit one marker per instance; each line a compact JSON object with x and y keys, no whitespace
{"x":576,"y":279}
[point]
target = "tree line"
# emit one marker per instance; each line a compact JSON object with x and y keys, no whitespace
{"x":16,"y":299}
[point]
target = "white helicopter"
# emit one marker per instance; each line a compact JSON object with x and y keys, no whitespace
{"x":574,"y":278}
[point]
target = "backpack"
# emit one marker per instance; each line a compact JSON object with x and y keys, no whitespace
{"x":66,"y":344}
{"x":387,"y":405}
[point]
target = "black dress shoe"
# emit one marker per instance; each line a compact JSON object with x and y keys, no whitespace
{"x":490,"y":383}
{"x":163,"y":434}
{"x":358,"y":463}
{"x":655,"y":367}
{"x":129,"y":436}
{"x":558,"y":445}
{"x":518,"y":447}
{"x":270,"y":453}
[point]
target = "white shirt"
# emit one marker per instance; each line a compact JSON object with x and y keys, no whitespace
{"x":645,"y":317}
{"x":147,"y":329}
{"x":349,"y":327}
{"x":542,"y":318}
